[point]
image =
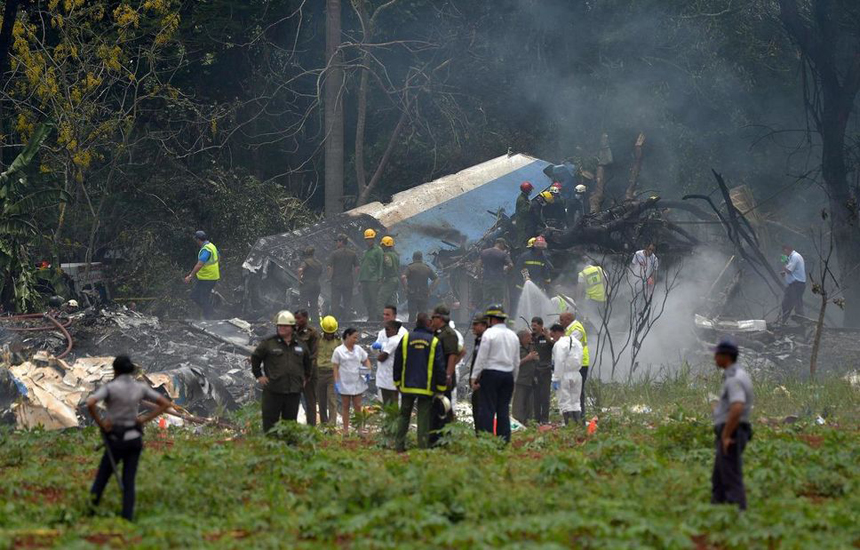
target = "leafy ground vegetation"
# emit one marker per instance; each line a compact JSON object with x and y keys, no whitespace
{"x":640,"y":481}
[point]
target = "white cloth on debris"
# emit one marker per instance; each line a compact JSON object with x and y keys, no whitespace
{"x":349,"y":369}
{"x":384,"y":369}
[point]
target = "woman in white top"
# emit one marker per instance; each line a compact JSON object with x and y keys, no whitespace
{"x":346,"y":361}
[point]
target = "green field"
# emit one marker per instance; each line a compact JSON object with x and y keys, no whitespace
{"x":641,"y":481}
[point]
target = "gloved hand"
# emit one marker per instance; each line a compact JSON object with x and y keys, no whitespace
{"x":555,"y":386}
{"x":377,"y":346}
{"x":337,"y":388}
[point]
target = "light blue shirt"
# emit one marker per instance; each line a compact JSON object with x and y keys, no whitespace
{"x":795,"y":269}
{"x":204,"y":254}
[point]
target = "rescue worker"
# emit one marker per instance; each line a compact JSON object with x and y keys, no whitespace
{"x":732,"y":428}
{"x":515,"y":279}
{"x":342,"y":265}
{"x":644,"y":267}
{"x":573,"y":327}
{"x":309,"y":335}
{"x":577,"y":207}
{"x":523,"y":405}
{"x":419,"y":374}
{"x":370,"y":274}
{"x":479,"y":326}
{"x":326,"y":396}
{"x":536,"y":265}
{"x":282,"y":366}
{"x":521,"y":214}
{"x":493,"y":264}
{"x":494,"y":373}
{"x":537,"y":215}
{"x":592,"y":293}
{"x":566,"y":377}
{"x":207,"y":273}
{"x":390,"y":280}
{"x":310,"y":275}
{"x":387,"y":339}
{"x":555,"y":212}
{"x":542,"y":343}
{"x":453,"y":353}
{"x":420,"y":281}
{"x":122,"y":429}
{"x":794,"y":273}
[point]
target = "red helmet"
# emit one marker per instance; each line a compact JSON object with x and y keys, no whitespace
{"x":540,"y":242}
{"x":527,"y":187}
{"x":555,"y":185}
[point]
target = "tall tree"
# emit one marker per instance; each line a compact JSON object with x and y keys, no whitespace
{"x":828,"y":35}
{"x":334,"y":87}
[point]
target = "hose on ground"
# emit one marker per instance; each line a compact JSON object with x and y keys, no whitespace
{"x":65,"y":332}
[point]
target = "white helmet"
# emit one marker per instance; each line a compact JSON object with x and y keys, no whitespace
{"x":444,"y":405}
{"x":72,"y":303}
{"x":581,"y":188}
{"x":285,"y":318}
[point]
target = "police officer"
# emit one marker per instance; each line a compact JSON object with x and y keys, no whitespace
{"x":310,"y":337}
{"x":732,"y":427}
{"x":479,"y":326}
{"x":282,"y":366}
{"x":419,"y":374}
{"x":390,"y":280}
{"x":207,"y":274}
{"x":370,"y":274}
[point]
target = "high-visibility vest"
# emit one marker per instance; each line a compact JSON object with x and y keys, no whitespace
{"x":428,"y":389}
{"x":576,"y":325}
{"x":595,"y":288}
{"x":210,"y":271}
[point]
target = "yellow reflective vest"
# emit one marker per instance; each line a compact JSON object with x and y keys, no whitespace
{"x":595,"y":287}
{"x":210,"y":271}
{"x":574,"y":326}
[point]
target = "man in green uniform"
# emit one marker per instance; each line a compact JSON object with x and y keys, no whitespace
{"x":521,"y":214}
{"x":310,"y":273}
{"x":439,"y":322}
{"x":415,"y":279}
{"x":326,"y":396}
{"x":523,"y":405}
{"x":390,"y":273}
{"x":370,"y":274}
{"x":309,"y":335}
{"x":342,"y":265}
{"x":282,"y":365}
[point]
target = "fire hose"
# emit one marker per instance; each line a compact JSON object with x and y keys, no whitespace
{"x":55,"y":324}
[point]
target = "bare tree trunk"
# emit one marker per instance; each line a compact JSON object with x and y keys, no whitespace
{"x":636,"y":168}
{"x":816,"y":343}
{"x":10,"y":13}
{"x":364,"y":196}
{"x":334,"y":83}
{"x":604,"y":159}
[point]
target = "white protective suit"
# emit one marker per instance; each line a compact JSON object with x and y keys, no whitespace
{"x":567,"y":360}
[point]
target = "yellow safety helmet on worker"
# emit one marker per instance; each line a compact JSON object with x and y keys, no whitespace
{"x":387,"y":241}
{"x":547,"y":196}
{"x":328,"y":324}
{"x":369,"y":234}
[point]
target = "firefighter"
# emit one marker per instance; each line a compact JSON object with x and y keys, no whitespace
{"x":326,"y":396}
{"x":207,"y":273}
{"x":521,"y":214}
{"x":282,"y":366}
{"x":536,"y":220}
{"x":370,"y":273}
{"x":535,"y":264}
{"x":390,"y":273}
{"x":309,"y":335}
{"x":555,"y":212}
{"x":419,"y":374}
{"x":310,"y":274}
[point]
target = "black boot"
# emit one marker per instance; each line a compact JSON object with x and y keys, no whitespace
{"x":576,"y":416}
{"x":566,"y":417}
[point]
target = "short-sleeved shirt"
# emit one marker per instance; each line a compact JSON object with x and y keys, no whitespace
{"x":737,"y":388}
{"x":349,"y":369}
{"x":311,"y":272}
{"x":543,"y":346}
{"x":204,"y":254}
{"x":122,"y":397}
{"x":494,"y":261}
{"x":325,"y":349}
{"x":343,"y":262}
{"x":418,"y":275}
{"x":526,"y":372}
{"x":450,"y":343}
{"x":795,"y":269}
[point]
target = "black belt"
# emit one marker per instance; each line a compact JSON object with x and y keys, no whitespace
{"x":746,"y":426}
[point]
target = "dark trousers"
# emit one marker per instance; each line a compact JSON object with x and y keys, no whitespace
{"x":326,"y":398}
{"x":496,"y":390}
{"x":494,"y":293}
{"x":793,"y":299}
{"x":523,"y":404}
{"x":201,"y":294}
{"x":727,"y":481}
{"x":476,"y":407}
{"x":127,"y":452}
{"x":438,"y":422}
{"x":387,"y":294}
{"x":279,"y":406}
{"x":543,"y":388}
{"x":341,"y":302}
{"x":309,"y":298}
{"x":310,"y":395}
{"x":417,"y":304}
{"x":370,"y":295}
{"x":583,"y":371}
{"x":425,"y":406}
{"x":389,"y":396}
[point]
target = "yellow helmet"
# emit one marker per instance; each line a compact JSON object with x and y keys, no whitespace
{"x":285,"y":318}
{"x":387,"y":241}
{"x":547,"y":196}
{"x":369,"y":234}
{"x":531,"y":242}
{"x":329,"y":324}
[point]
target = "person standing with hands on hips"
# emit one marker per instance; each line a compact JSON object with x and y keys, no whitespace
{"x":347,"y":361}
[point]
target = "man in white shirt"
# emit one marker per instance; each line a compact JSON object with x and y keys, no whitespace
{"x":644,"y":268}
{"x":494,"y":373}
{"x":385,"y":345}
{"x":794,"y":273}
{"x":567,"y":360}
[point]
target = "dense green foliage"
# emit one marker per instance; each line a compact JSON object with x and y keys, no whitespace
{"x":641,"y":481}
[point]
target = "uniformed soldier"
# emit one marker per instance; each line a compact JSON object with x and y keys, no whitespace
{"x":573,"y":327}
{"x":420,"y":282}
{"x":206,"y":272}
{"x":343,"y":263}
{"x":310,"y":274}
{"x":523,"y":406}
{"x":732,"y":427}
{"x":282,"y":366}
{"x":122,"y":429}
{"x":309,"y":335}
{"x":440,"y":323}
{"x":542,"y":343}
{"x":370,"y":274}
{"x":390,"y":273}
{"x":326,"y":396}
{"x":479,"y":326}
{"x":521,"y":214}
{"x":419,"y":374}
